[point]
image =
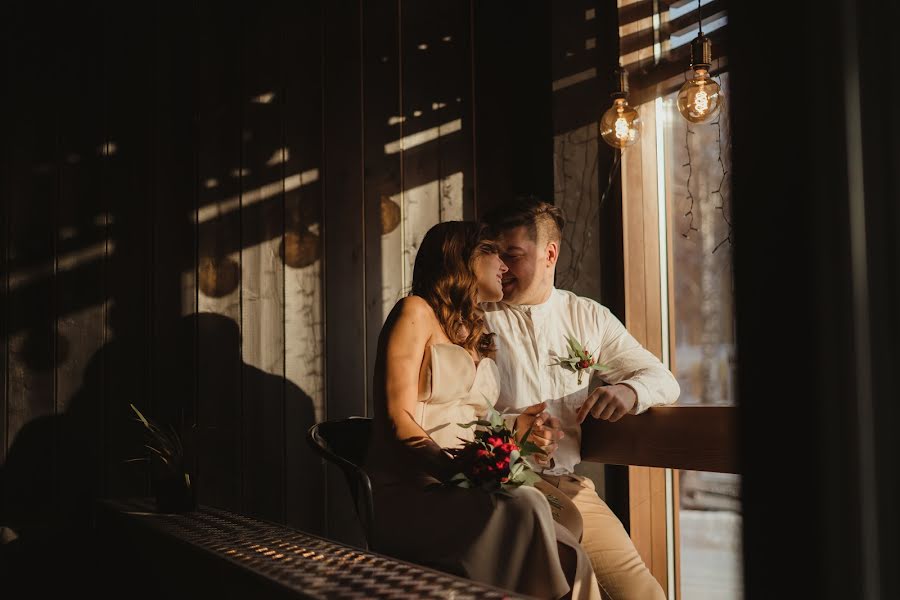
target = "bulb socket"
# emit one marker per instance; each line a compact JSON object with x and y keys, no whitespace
{"x":701,"y":52}
{"x":620,"y":83}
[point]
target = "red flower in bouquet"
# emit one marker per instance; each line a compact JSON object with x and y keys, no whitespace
{"x":495,"y":459}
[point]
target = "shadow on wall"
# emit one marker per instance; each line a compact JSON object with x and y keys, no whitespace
{"x":57,"y":466}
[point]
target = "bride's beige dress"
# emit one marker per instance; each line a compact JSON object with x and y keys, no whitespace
{"x":507,"y":542}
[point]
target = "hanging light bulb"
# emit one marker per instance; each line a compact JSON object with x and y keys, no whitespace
{"x":699,"y":98}
{"x":620,"y":125}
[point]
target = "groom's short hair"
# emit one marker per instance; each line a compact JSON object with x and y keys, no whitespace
{"x":541,"y":219}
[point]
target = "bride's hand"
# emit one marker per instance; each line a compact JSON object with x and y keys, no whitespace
{"x":545,"y":432}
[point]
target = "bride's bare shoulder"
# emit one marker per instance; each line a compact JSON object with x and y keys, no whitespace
{"x":413,"y":310}
{"x":414,"y":307}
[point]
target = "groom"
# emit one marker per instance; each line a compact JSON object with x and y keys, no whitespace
{"x":531,"y":326}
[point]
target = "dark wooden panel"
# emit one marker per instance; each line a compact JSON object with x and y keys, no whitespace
{"x":343,"y":217}
{"x":217,"y":81}
{"x":6,"y":190}
{"x":696,"y":438}
{"x":344,"y":235}
{"x":32,"y":187}
{"x":881,"y":132}
{"x":305,"y":489}
{"x":174,"y":288}
{"x":382,"y":120}
{"x":453,"y":100}
{"x":826,"y":303}
{"x":262,"y":270}
{"x":128,"y":195}
{"x":512,"y":101}
{"x":80,"y":240}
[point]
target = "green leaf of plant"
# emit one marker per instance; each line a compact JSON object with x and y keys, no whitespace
{"x":529,"y":448}
{"x":140,"y":415}
{"x":529,"y":477}
{"x":524,"y":439}
{"x":476,"y":422}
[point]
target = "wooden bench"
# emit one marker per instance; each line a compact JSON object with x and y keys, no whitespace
{"x":216,"y":553}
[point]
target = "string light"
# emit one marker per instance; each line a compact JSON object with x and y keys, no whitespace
{"x":620,"y":125}
{"x":699,"y":98}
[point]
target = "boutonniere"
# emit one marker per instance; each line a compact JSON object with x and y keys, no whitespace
{"x":579,"y":359}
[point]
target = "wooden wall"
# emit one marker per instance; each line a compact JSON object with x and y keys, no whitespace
{"x":207,"y":212}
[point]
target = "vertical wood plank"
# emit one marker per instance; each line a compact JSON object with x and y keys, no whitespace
{"x":383,"y":123}
{"x":81,"y":252}
{"x":218,"y":269}
{"x":453,"y":100}
{"x":676,"y":500}
{"x":344,"y":236}
{"x":32,"y":189}
{"x":420,"y":74}
{"x":174,"y":343}
{"x":647,"y":500}
{"x":633,"y":244}
{"x":512,"y":101}
{"x":301,"y":37}
{"x":639,"y":511}
{"x":262,"y":270}
{"x":6,"y":193}
{"x":659,"y":550}
{"x":650,"y":225}
{"x":128,"y":189}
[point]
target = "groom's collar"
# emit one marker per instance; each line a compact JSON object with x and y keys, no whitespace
{"x":537,"y":309}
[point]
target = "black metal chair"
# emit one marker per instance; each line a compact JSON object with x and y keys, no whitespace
{"x":345,"y":442}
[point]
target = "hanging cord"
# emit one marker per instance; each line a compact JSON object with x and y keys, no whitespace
{"x":700,"y":15}
{"x":617,"y":160}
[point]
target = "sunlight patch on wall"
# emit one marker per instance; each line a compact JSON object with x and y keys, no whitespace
{"x":290,"y":183}
{"x":419,"y":209}
{"x":423,"y":137}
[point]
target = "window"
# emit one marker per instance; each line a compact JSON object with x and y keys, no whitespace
{"x":676,"y":192}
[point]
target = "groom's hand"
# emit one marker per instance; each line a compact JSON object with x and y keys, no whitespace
{"x":610,"y":403}
{"x":545,"y":432}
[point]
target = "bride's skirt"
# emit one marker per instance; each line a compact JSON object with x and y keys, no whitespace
{"x":509,"y":542}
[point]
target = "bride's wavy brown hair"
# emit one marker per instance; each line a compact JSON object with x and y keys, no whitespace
{"x":444,"y":276}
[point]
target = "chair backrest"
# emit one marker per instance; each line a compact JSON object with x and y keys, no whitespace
{"x":344,"y":442}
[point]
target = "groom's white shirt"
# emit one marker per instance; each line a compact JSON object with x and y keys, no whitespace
{"x":529,"y":339}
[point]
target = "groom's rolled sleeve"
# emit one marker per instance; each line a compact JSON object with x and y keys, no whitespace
{"x":629,"y":363}
{"x":661,"y":389}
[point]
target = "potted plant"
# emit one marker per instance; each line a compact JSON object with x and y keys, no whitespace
{"x":165,"y":454}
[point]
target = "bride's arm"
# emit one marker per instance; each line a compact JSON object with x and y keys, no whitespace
{"x":407,"y":336}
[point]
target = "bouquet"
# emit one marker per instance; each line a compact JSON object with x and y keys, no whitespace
{"x":495,"y":460}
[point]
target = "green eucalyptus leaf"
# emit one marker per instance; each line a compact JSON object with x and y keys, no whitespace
{"x":476,"y":422}
{"x":528,"y":448}
{"x":524,"y":439}
{"x":574,"y":346}
{"x":529,"y":477}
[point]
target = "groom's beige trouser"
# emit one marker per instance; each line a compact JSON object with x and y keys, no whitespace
{"x":621,"y":572}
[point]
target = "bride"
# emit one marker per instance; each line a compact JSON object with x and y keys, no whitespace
{"x":434,"y":370}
